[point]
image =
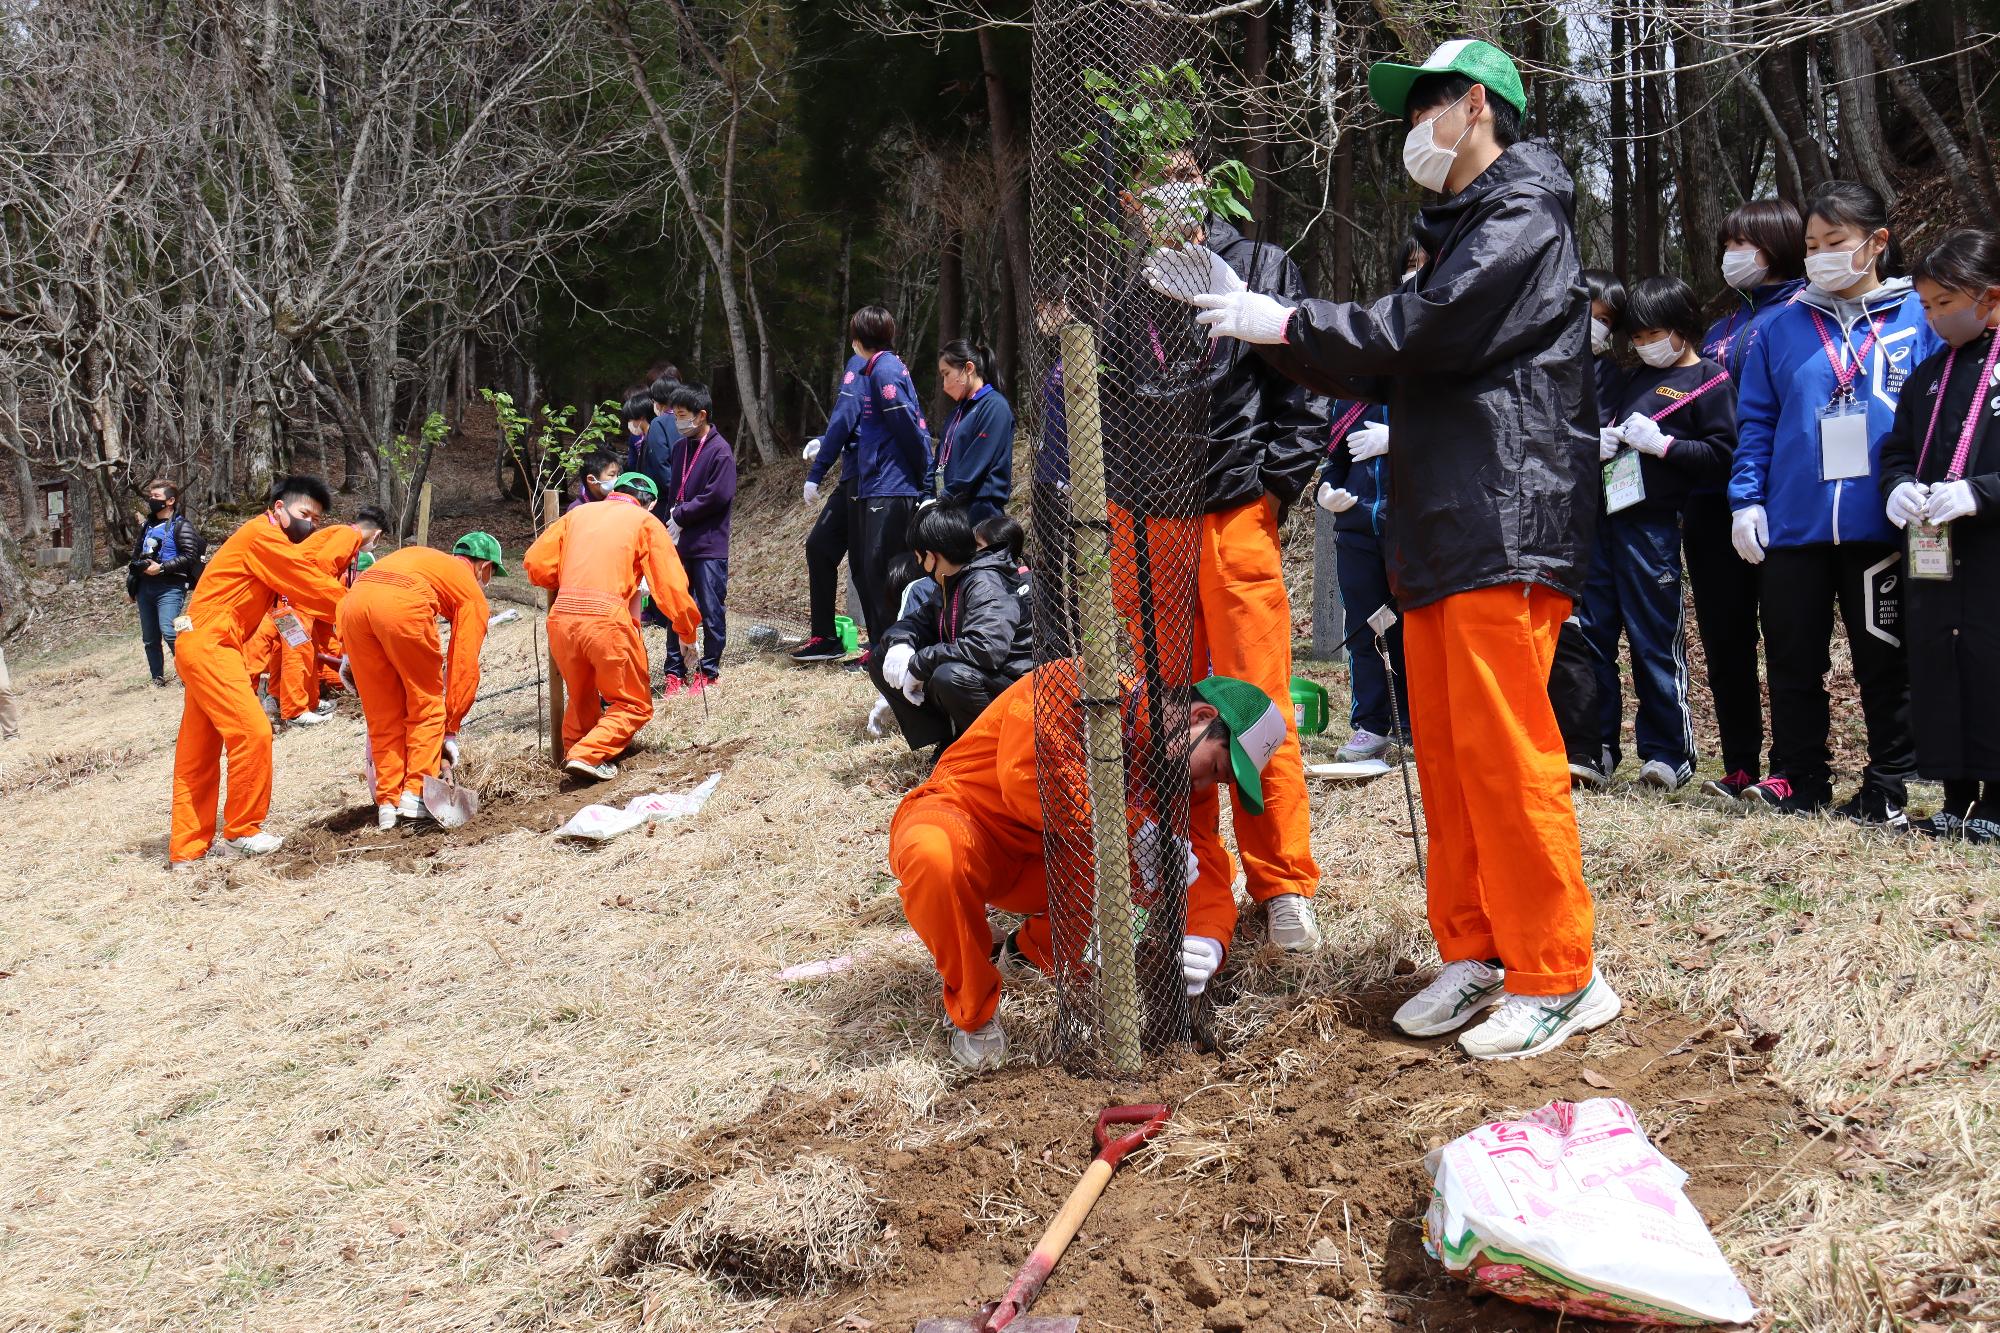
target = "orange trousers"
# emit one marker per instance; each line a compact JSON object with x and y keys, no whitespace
{"x":603,"y":665}
{"x":946,"y":863}
{"x":1506,"y":870}
{"x":397,"y":659}
{"x":219,"y":715}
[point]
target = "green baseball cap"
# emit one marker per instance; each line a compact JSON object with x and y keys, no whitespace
{"x":1482,"y":62}
{"x":480,"y":546}
{"x":637,"y":481}
{"x":363,"y":561}
{"x":1256,"y":730}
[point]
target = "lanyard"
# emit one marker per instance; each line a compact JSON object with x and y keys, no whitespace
{"x":1341,"y":427}
{"x":680,"y":492}
{"x":951,"y":427}
{"x":1844,"y":375}
{"x":1160,"y":348}
{"x":948,"y":629}
{"x":1679,"y":403}
{"x":1959,"y":455}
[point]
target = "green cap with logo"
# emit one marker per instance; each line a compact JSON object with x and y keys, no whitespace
{"x":1482,"y":62}
{"x":1256,"y":730}
{"x":637,"y":482}
{"x":363,"y":561}
{"x":480,"y":546}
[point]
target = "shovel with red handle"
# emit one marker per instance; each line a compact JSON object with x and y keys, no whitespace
{"x":1010,"y":1311}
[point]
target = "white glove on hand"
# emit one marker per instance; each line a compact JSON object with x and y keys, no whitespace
{"x":913,"y":690}
{"x":1190,"y":271}
{"x":1148,"y":851}
{"x":1750,"y":533}
{"x":1951,"y":500}
{"x":1200,"y":956}
{"x":812,"y":491}
{"x":1336,"y":500}
{"x":1644,"y":434}
{"x":451,"y":750}
{"x":1371,"y":441}
{"x":811,"y":450}
{"x":1609,"y":441}
{"x":896,"y":664}
{"x":674,"y":531}
{"x":1248,"y":316}
{"x":347,"y":674}
{"x":1906,"y":503}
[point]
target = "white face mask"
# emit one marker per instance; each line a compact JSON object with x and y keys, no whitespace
{"x":1600,"y":336}
{"x":1960,"y":326}
{"x":1834,"y":271}
{"x":1428,"y":164}
{"x":1743,"y":269}
{"x":1660,"y":353}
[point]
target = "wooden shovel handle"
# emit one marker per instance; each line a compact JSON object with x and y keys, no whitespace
{"x":1027,"y":1283}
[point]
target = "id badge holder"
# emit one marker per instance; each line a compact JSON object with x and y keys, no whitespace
{"x":289,"y":628}
{"x":1624,"y":482}
{"x":1930,"y":551}
{"x":1843,"y":439}
{"x":183,"y":624}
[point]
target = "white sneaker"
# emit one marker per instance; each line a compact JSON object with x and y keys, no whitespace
{"x":385,"y":816}
{"x":1661,"y":776}
{"x":1458,"y":992}
{"x":306,"y":719}
{"x":411,"y":808}
{"x":257,"y":844}
{"x":984,"y":1049}
{"x":328,"y":707}
{"x":1530,"y":1024}
{"x":603,"y":772}
{"x":1363,"y":744}
{"x":1290,"y":923}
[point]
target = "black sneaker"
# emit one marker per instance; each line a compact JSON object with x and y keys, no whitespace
{"x":1981,"y":826}
{"x":159,"y":682}
{"x":1730,"y":788}
{"x":1776,"y":792}
{"x":1943,"y":824}
{"x":1872,"y":806}
{"x":1583,"y":773}
{"x":817,"y":649}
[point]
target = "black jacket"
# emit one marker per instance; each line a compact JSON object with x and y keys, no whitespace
{"x":183,"y":569}
{"x":980,"y":618}
{"x":1485,"y":364}
{"x":1704,"y":431}
{"x":1950,"y":628}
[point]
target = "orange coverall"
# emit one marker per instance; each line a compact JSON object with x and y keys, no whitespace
{"x":294,"y":673}
{"x":1506,"y":871}
{"x":220,"y":713}
{"x":592,"y":559}
{"x":411,"y":697}
{"x":970,"y":838}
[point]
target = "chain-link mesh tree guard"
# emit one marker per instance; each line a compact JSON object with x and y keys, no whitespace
{"x":1118,"y":455}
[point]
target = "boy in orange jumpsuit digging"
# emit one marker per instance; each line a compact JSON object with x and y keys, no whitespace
{"x":413,"y":699}
{"x":971,"y":836}
{"x":592,"y":559}
{"x":294,"y":668}
{"x":260,"y":561}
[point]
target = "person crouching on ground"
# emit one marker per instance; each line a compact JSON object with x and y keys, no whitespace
{"x":970,"y":837}
{"x":703,"y":491}
{"x":949,"y":662}
{"x":592,"y":559}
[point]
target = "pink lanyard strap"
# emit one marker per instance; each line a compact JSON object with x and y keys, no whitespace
{"x":948,"y":629}
{"x":1341,"y":427}
{"x":680,"y":492}
{"x":1679,"y":403}
{"x":1964,"y":450}
{"x":1160,"y":349}
{"x":1845,"y":374}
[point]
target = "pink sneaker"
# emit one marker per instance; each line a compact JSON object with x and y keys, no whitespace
{"x":698,"y":683}
{"x":672,"y":686}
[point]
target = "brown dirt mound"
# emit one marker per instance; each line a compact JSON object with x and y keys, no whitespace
{"x":1287,"y":1193}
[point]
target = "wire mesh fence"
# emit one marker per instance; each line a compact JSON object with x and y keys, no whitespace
{"x":1118,"y":428}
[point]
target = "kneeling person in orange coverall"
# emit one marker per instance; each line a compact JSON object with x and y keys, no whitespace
{"x":294,"y":667}
{"x":414,"y":701}
{"x":592,"y":559}
{"x":970,"y":838}
{"x":261,"y":561}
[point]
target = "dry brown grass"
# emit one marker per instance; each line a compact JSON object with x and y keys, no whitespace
{"x":440,"y":1099}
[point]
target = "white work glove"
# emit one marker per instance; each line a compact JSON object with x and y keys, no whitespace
{"x":812,"y":491}
{"x":1371,"y":441}
{"x":347,"y":674}
{"x":1190,"y":271}
{"x":1150,"y":854}
{"x":1951,"y":500}
{"x":811,"y":451}
{"x":1608,"y":443}
{"x":1336,"y":500}
{"x":1200,"y":956}
{"x":1750,"y":533}
{"x":1906,"y":503}
{"x":451,"y":750}
{"x":896,"y":665}
{"x":1644,"y":434}
{"x":878,"y":717}
{"x":674,"y":531}
{"x":1247,"y":316}
{"x":913,"y":690}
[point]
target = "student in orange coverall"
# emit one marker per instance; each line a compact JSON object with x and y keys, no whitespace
{"x":414,"y":701}
{"x":970,"y":837}
{"x":294,"y":669}
{"x":259,"y":562}
{"x":592,"y":559}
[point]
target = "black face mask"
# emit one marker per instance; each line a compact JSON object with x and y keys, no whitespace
{"x":157,"y":507}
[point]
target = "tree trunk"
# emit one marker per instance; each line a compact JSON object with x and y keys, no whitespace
{"x":1789,"y":106}
{"x":951,"y":287}
{"x":1013,"y":206}
{"x":82,"y":523}
{"x":1344,"y":283}
{"x":1860,"y":119}
{"x":16,"y":594}
{"x":1651,"y":143}
{"x":1912,"y":97}
{"x":1256,"y":121}
{"x":1696,"y":185}
{"x":1968,"y":106}
{"x":1621,"y":147}
{"x":1791,"y":183}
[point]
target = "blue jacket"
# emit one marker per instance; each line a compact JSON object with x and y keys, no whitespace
{"x":1729,"y":340}
{"x":1366,"y":481}
{"x":976,"y":456}
{"x":656,"y":454}
{"x":703,"y":492}
{"x":1787,"y":379}
{"x":878,"y":413}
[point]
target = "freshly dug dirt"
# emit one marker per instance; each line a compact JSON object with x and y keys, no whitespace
{"x":1287,"y":1194}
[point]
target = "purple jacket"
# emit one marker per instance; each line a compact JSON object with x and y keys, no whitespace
{"x":701,"y":490}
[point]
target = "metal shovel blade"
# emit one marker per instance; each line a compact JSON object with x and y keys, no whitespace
{"x":448,"y":803}
{"x":1027,"y":1323}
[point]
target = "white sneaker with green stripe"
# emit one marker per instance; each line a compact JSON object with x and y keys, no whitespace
{"x":1454,"y":997}
{"x":1527,"y":1025}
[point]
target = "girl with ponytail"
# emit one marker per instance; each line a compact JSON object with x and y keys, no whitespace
{"x":974,"y":464}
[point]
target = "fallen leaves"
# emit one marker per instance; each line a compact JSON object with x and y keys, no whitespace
{"x":1597,"y":1080}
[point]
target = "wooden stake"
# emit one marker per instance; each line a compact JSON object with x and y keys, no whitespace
{"x":424,"y":515}
{"x":1103,"y":727}
{"x":551,"y":511}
